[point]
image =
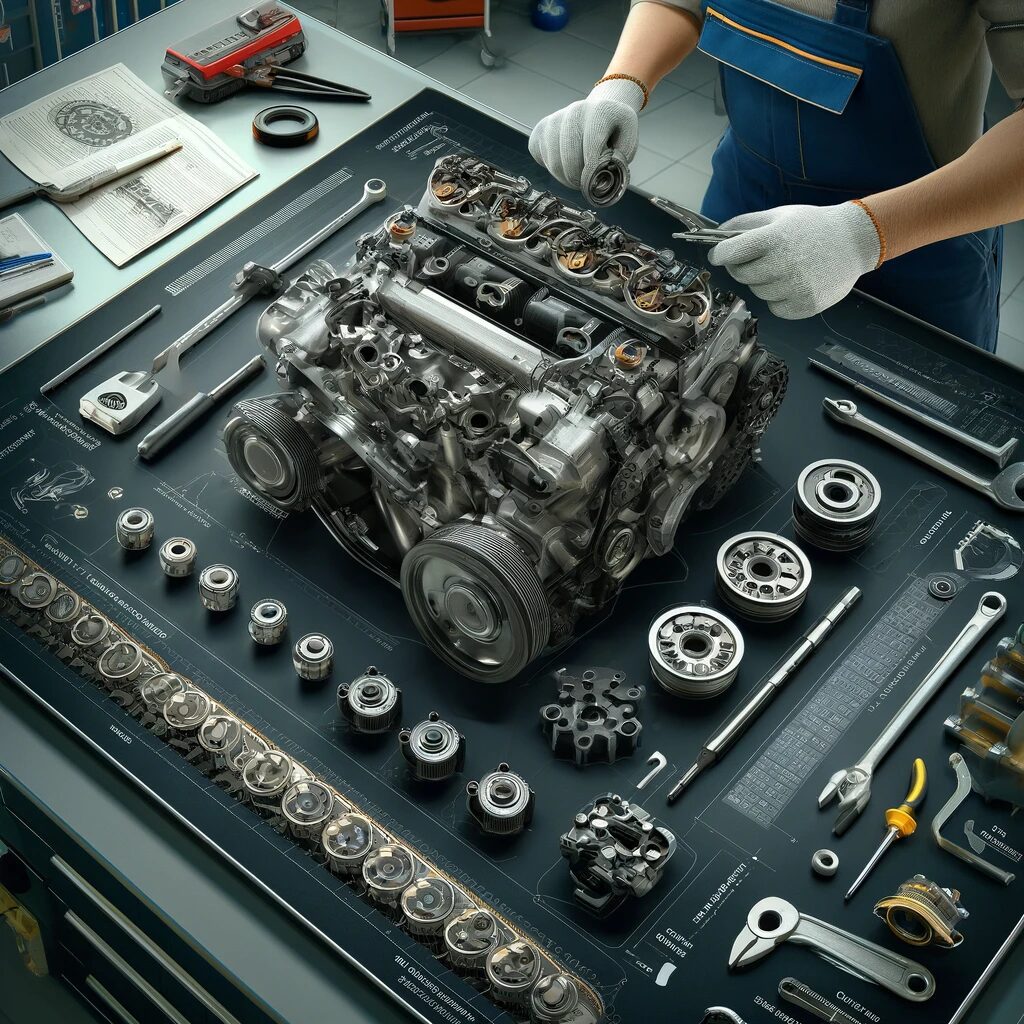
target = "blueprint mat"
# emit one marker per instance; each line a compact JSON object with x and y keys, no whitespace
{"x":663,"y":957}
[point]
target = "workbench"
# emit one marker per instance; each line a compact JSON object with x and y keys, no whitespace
{"x":272,"y":957}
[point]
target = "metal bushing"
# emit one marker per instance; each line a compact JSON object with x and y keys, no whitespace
{"x":186,"y":711}
{"x":825,"y":863}
{"x":501,"y":803}
{"x":762,"y":575}
{"x":371,"y":703}
{"x":694,"y":651}
{"x":512,"y":969}
{"x":157,"y":690}
{"x":218,"y":588}
{"x":427,"y":904}
{"x":469,"y":937}
{"x":835,"y":506}
{"x":37,"y":590}
{"x":434,"y":748}
{"x":268,"y":620}
{"x":121,"y":664}
{"x":307,"y":805}
{"x":133,"y":529}
{"x":313,"y":656}
{"x":388,"y":871}
{"x":346,"y":841}
{"x":178,"y":557}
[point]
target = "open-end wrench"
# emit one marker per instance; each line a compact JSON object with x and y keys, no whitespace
{"x":772,"y":921}
{"x":999,"y":454}
{"x":1006,"y":488}
{"x":853,"y":785}
{"x":253,"y":279}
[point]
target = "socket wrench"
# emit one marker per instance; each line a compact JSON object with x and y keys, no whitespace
{"x":853,"y":785}
{"x":253,"y":279}
{"x":772,"y":921}
{"x":998,"y":454}
{"x":1006,"y":488}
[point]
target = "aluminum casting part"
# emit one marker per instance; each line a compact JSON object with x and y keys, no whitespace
{"x":695,"y":652}
{"x":948,"y":809}
{"x":134,"y":528}
{"x":835,"y":504}
{"x":218,"y":588}
{"x":374,"y":190}
{"x":797,"y":993}
{"x":658,"y":760}
{"x":313,"y":656}
{"x":268,"y":621}
{"x":998,"y":454}
{"x":605,"y":182}
{"x":178,"y":557}
{"x":501,"y":803}
{"x":1005,"y":489}
{"x":762,"y":575}
{"x":852,"y":786}
{"x":825,"y":863}
{"x":922,"y":913}
{"x":371,"y":703}
{"x":434,"y":748}
{"x":772,"y":921}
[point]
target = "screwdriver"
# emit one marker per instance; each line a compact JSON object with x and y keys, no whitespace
{"x":901,"y":821}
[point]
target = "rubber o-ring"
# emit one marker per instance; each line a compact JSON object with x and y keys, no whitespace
{"x":825,"y":863}
{"x":285,"y":125}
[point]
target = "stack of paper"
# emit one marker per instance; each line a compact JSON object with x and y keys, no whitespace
{"x":18,"y":239}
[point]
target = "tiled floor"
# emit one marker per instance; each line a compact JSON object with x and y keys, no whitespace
{"x":546,"y":70}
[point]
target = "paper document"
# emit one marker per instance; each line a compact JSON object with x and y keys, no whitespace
{"x":109,"y":117}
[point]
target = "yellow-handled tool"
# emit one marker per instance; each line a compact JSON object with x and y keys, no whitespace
{"x":901,"y":821}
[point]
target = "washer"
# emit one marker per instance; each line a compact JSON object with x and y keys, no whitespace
{"x":284,"y":125}
{"x":825,"y":863}
{"x":695,"y":652}
{"x":763,"y":576}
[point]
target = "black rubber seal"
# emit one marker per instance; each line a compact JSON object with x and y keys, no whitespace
{"x":285,"y":125}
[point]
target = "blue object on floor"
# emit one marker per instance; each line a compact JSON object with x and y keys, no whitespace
{"x":550,"y":15}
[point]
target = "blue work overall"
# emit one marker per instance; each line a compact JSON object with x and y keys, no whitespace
{"x":820,"y":113}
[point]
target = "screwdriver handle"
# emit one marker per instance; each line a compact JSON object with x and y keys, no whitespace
{"x":903,"y":818}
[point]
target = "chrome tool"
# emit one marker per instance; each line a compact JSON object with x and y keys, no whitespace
{"x":999,"y":454}
{"x":901,"y":821}
{"x":948,"y":809}
{"x":253,"y":279}
{"x":772,"y":921}
{"x":1006,"y":488}
{"x":195,"y":408}
{"x":94,"y":354}
{"x":698,"y":228}
{"x":852,"y":785}
{"x":745,"y":713}
{"x":797,"y":993}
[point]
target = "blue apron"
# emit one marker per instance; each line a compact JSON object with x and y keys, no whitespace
{"x":820,"y":113}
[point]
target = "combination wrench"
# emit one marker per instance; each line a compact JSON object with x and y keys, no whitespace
{"x":1006,"y":488}
{"x":999,"y":454}
{"x":853,"y":785}
{"x":772,"y":921}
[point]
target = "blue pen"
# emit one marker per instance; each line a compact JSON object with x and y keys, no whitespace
{"x":21,"y":261}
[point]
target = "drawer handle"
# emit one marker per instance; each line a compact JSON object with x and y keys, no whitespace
{"x":110,"y":1002}
{"x":125,"y":968}
{"x":169,"y":964}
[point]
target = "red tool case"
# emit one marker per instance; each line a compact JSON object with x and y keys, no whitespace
{"x":438,"y":15}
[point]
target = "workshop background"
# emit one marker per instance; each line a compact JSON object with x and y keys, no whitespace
{"x":537,"y":72}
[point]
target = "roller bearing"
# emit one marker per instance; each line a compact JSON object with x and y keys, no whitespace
{"x":501,"y":803}
{"x":313,"y":656}
{"x":434,"y":748}
{"x":371,"y":703}
{"x":134,"y":529}
{"x":268,"y":620}
{"x":763,"y":576}
{"x":835,"y":507}
{"x":218,"y":588}
{"x":178,"y":557}
{"x":695,"y":652}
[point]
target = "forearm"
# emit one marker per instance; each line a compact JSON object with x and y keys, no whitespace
{"x":653,"y":42}
{"x":981,"y":189}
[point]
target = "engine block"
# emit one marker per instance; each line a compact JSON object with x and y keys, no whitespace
{"x":506,"y":405}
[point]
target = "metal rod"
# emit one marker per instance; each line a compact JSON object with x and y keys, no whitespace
{"x":102,"y":347}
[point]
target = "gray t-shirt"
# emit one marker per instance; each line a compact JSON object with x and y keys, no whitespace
{"x":948,"y":49}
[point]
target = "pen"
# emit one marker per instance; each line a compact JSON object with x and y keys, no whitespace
{"x":13,"y":262}
{"x":10,"y":312}
{"x":28,"y":268}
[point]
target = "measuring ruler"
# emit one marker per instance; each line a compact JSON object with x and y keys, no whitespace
{"x":766,"y":788}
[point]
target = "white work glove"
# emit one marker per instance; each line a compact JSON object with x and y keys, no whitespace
{"x":573,"y":139}
{"x":800,"y":259}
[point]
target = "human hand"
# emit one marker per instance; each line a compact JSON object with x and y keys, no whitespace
{"x":573,"y":139}
{"x":800,"y":259}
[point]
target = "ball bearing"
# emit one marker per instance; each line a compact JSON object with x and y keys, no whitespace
{"x":371,"y":703}
{"x":133,"y":529}
{"x":835,"y":507}
{"x":268,"y":620}
{"x":218,"y":588}
{"x":695,"y":652}
{"x":178,"y":557}
{"x":762,"y":575}
{"x":313,"y":656}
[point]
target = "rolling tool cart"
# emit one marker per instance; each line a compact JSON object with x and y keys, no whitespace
{"x":400,"y":16}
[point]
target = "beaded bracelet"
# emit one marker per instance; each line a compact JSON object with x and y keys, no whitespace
{"x":628,"y":78}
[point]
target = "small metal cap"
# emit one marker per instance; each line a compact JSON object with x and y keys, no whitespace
{"x":313,"y":656}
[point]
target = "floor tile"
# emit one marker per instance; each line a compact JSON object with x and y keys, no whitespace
{"x":665,"y":92}
{"x":566,"y":59}
{"x":700,"y":159}
{"x":513,"y":32}
{"x":1011,"y":318}
{"x":682,"y":126}
{"x":685,"y":185}
{"x":695,"y":71}
{"x":1010,"y":349}
{"x":521,"y":94}
{"x":415,"y":50}
{"x":646,"y":164}
{"x":458,"y":65}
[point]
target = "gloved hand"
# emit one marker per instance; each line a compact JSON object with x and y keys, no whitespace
{"x":801,"y":259}
{"x":574,"y":138}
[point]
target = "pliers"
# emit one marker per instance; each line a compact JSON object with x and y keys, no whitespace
{"x":276,"y":76}
{"x":698,"y":228}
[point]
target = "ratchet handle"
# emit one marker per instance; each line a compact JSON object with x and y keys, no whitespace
{"x":865,"y":959}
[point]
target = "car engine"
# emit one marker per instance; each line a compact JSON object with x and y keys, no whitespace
{"x":506,"y":405}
